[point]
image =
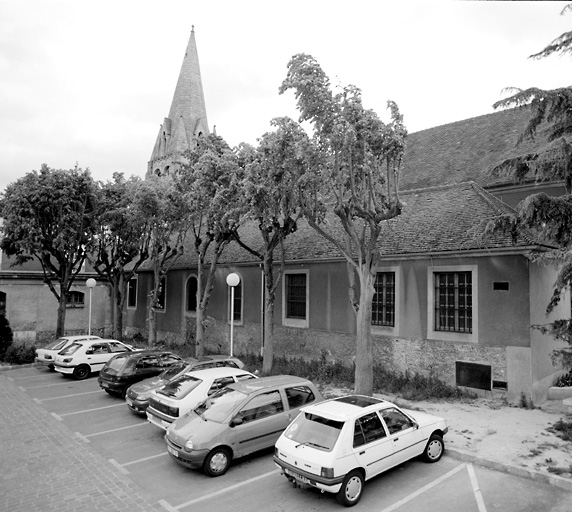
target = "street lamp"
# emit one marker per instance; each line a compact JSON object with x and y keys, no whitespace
{"x":232,"y":280}
{"x":90,"y":283}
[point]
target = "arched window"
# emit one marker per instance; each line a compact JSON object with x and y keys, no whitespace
{"x":191,"y":294}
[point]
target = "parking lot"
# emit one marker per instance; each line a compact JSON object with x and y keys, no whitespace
{"x":135,"y":449}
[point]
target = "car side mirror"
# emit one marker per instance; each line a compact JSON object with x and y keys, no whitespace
{"x":237,"y":420}
{"x":415,"y":425}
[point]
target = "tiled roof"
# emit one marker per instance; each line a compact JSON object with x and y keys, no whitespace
{"x":465,"y":150}
{"x":446,"y":219}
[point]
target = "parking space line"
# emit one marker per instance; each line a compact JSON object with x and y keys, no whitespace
{"x":91,"y":410}
{"x":68,"y":396}
{"x":119,"y":466}
{"x":114,"y":430}
{"x":146,"y":458}
{"x":476,"y":489}
{"x":67,"y":382}
{"x":225,"y":490}
{"x":82,"y":437}
{"x":423,"y":489}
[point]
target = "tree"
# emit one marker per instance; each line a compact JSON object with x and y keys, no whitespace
{"x":209,"y":183}
{"x":49,"y":217}
{"x":353,"y":172}
{"x":270,"y":193}
{"x":122,"y":241}
{"x":549,"y":218}
{"x":166,"y":216}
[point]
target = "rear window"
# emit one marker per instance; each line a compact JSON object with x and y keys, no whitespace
{"x":57,"y":344}
{"x":117,"y":364}
{"x":71,"y":349}
{"x":172,"y":371}
{"x":315,"y":431}
{"x":180,"y":387}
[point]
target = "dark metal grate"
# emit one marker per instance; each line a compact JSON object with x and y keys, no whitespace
{"x":474,"y":375}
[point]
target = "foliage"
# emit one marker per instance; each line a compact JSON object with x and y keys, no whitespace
{"x":122,"y":240}
{"x":563,"y":429}
{"x":564,"y":380}
{"x":6,"y":336}
{"x":547,"y":219}
{"x":352,"y":172}
{"x":208,"y":183}
{"x":20,"y":354}
{"x":49,"y":216}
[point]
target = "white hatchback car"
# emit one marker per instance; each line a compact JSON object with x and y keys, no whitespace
{"x":81,"y":358}
{"x":45,"y":356}
{"x":338,"y":444}
{"x":185,"y":392}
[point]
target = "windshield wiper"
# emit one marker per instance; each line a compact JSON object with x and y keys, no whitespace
{"x":309,"y":443}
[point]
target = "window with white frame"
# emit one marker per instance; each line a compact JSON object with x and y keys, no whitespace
{"x":132,"y":293}
{"x":452,"y":302}
{"x":383,"y":303}
{"x":191,"y":295}
{"x":295,"y":306}
{"x":237,"y":302}
{"x":75,"y":300}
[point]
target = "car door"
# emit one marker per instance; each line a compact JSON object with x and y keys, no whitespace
{"x":262,"y":419}
{"x":407,"y":438}
{"x":372,"y":447}
{"x":97,"y":355}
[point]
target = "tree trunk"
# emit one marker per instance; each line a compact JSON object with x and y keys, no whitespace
{"x":268,"y":353}
{"x":152,"y":335}
{"x":61,"y":321}
{"x":364,"y":346}
{"x":200,"y":332}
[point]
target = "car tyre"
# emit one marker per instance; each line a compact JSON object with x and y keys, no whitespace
{"x":82,"y":372}
{"x":434,"y":448}
{"x":352,"y":489}
{"x":217,"y":462}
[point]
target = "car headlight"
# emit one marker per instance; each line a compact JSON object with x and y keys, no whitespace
{"x":68,"y":359}
{"x":189,"y":445}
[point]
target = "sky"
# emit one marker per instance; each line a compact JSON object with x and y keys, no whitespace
{"x":89,"y":83}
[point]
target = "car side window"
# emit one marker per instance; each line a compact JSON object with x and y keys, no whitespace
{"x":168,"y":360}
{"x":395,"y":420}
{"x":298,"y":396}
{"x":219,"y":384}
{"x":147,"y":362}
{"x":100,"y":348}
{"x":261,"y":406}
{"x":226,"y":364}
{"x":116,"y":347}
{"x":368,"y":428}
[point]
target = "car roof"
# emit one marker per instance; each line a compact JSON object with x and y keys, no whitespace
{"x":213,"y":357}
{"x":254,"y":385}
{"x":347,"y":407}
{"x":142,"y":353}
{"x":96,"y":340}
{"x":82,"y":337}
{"x":217,"y":372}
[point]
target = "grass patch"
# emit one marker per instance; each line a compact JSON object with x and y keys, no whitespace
{"x":563,"y":429}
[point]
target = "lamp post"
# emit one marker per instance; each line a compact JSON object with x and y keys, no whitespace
{"x":90,"y":283}
{"x":232,"y":280}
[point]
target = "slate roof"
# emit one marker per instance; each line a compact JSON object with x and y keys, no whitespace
{"x":466,"y":150}
{"x":439,"y":220}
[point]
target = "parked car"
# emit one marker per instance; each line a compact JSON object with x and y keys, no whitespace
{"x":81,"y":358}
{"x":137,"y":396}
{"x":238,"y":420}
{"x":45,"y":356}
{"x":184,"y":393}
{"x":128,"y":368}
{"x":338,"y":444}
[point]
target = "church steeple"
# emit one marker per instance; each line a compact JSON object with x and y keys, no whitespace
{"x":187,"y":116}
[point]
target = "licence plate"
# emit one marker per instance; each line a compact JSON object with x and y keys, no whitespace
{"x":129,"y":401}
{"x":298,"y":477}
{"x":104,"y":385}
{"x":172,"y":451}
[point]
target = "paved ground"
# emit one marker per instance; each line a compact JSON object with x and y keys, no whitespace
{"x":46,"y":468}
{"x":46,"y":465}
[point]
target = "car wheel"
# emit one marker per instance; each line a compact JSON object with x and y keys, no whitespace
{"x":434,"y":449}
{"x":51,"y":367}
{"x":217,"y":462}
{"x":352,"y":489}
{"x":82,"y":372}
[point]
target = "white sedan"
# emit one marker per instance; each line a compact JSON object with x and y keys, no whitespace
{"x":338,"y":444}
{"x":45,"y":356}
{"x":81,"y":358}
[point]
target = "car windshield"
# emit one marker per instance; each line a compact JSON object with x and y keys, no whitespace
{"x":71,"y":349}
{"x":218,"y":406}
{"x":172,"y":371}
{"x":180,"y":387}
{"x":315,"y":431}
{"x":57,"y":344}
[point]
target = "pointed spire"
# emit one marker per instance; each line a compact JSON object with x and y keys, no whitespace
{"x":188,"y":114}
